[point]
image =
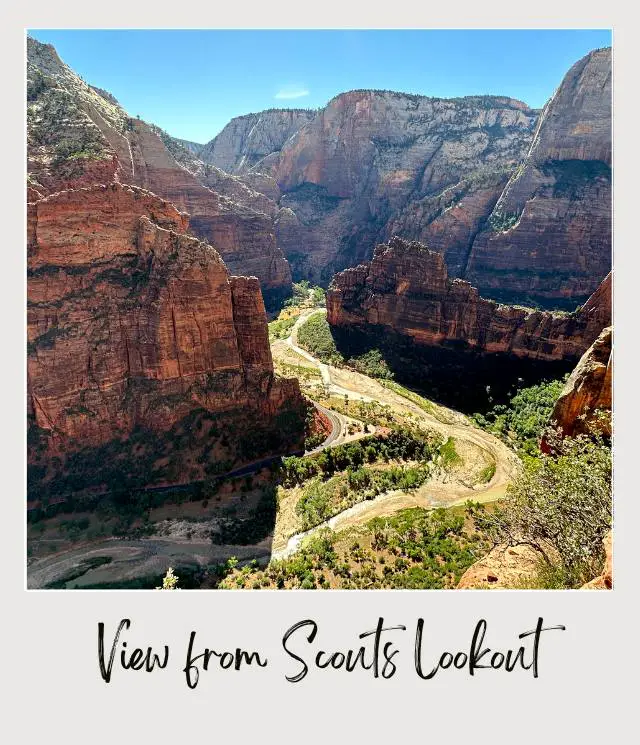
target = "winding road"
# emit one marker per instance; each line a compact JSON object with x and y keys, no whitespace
{"x":131,"y":558}
{"x":442,"y":491}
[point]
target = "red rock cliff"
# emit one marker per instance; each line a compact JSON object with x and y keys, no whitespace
{"x":406,"y":288}
{"x":78,"y":136}
{"x":588,"y":389}
{"x":134,"y":323}
{"x":549,"y":234}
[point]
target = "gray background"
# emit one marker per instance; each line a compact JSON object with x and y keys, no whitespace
{"x":52,"y":687}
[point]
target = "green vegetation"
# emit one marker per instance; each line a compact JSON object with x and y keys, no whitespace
{"x":315,"y":336}
{"x":448,"y":454}
{"x":487,"y":473}
{"x":281,"y":328}
{"x":314,"y":440}
{"x":323,"y":499}
{"x":286,"y":370}
{"x":399,"y":445}
{"x":55,"y":121}
{"x":117,"y":474}
{"x":500,"y":222}
{"x":169,"y":581}
{"x":336,"y":479}
{"x":561,"y":506}
{"x":523,"y":420}
{"x":415,"y":398}
{"x":304,"y":294}
{"x":255,"y":527}
{"x":413,"y":549}
{"x":370,"y":412}
{"x":36,"y":85}
{"x":371,"y":363}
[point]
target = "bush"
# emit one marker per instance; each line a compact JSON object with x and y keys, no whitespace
{"x":281,"y":328}
{"x":415,"y":548}
{"x":523,"y":420}
{"x":561,"y":506}
{"x":315,"y":336}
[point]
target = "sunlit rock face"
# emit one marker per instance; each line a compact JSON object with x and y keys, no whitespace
{"x":133,"y":324}
{"x":517,"y":201}
{"x":549,"y":235}
{"x":406,"y":289}
{"x":585,"y":401}
{"x":79,"y":135}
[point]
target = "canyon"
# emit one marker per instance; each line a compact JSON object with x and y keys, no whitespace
{"x":79,"y":135}
{"x":436,"y":328}
{"x":466,"y":242}
{"x":518,"y":201}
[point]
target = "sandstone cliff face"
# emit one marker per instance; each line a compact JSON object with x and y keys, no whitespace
{"x":406,"y":289}
{"x":355,"y":172}
{"x":517,"y":202}
{"x":248,"y":139}
{"x":549,"y":234}
{"x":133,"y":323}
{"x":78,"y":136}
{"x":588,"y":389}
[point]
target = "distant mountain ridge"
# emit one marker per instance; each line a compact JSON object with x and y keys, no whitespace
{"x":461,"y":175}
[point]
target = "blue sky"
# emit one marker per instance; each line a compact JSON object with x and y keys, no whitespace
{"x":191,"y":83}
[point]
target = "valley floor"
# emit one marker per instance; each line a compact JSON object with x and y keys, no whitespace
{"x":336,"y":391}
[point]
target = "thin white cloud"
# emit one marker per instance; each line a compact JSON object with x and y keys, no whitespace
{"x":292,"y":91}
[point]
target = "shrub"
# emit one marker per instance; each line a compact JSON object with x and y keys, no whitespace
{"x":525,"y":417}
{"x":561,"y":506}
{"x":315,"y":336}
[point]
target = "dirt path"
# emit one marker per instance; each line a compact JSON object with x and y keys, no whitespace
{"x":476,"y":447}
{"x":447,"y":422}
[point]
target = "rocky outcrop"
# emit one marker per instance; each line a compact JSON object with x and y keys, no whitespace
{"x":374,"y":163}
{"x":78,"y":136}
{"x":549,"y":234}
{"x":516,"y":567}
{"x":518,"y":202}
{"x":604,"y":581}
{"x":193,"y":147}
{"x":504,"y":567}
{"x":587,"y":391}
{"x":135,"y":325}
{"x":406,"y":289}
{"x":247,"y":140}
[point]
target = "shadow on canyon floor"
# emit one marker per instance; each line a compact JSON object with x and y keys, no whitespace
{"x":454,"y":376}
{"x":201,"y":530}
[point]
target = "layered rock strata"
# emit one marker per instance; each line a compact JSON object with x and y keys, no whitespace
{"x":406,"y":289}
{"x":586,"y":399}
{"x":78,"y":135}
{"x":135,"y":324}
{"x":549,"y":234}
{"x":518,"y":202}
